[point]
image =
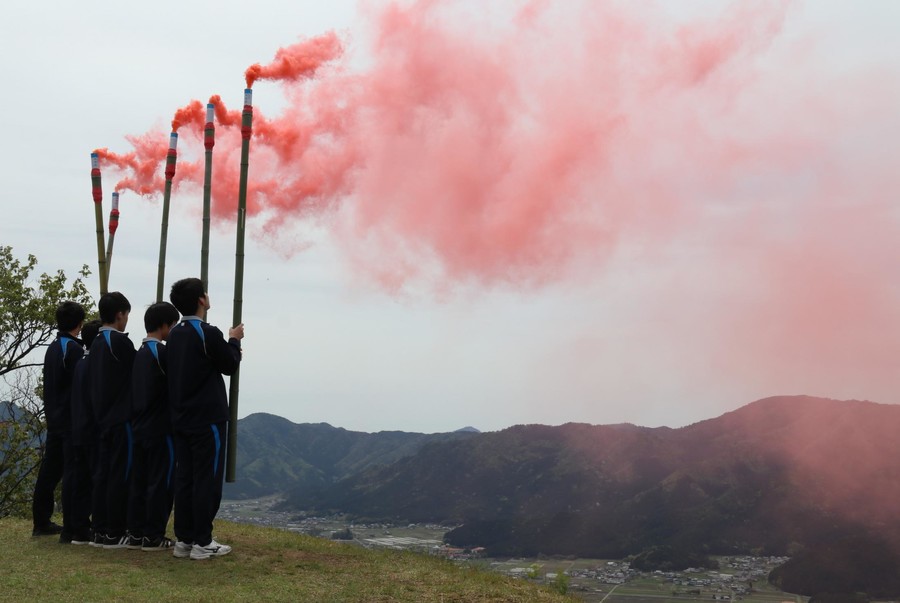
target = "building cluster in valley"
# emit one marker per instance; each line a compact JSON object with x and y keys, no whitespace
{"x":736,"y":577}
{"x":610,"y":572}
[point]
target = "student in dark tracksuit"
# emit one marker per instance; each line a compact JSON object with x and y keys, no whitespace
{"x":84,"y":443}
{"x":198,"y":355}
{"x":59,"y":365}
{"x":153,"y":468}
{"x":112,"y":356}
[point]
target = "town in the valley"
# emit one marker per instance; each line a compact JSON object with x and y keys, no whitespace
{"x":738,"y":578}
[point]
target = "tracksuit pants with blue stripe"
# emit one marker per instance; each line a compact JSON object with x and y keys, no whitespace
{"x":199,"y":475}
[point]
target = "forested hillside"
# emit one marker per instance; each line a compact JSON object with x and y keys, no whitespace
{"x":277,"y":456}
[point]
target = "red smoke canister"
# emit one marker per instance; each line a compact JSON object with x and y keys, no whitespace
{"x":113,"y":226}
{"x":209,"y":141}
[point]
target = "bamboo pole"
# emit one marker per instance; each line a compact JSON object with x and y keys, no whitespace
{"x":209,"y":141}
{"x":171,"y":156}
{"x":246,"y":131}
{"x":97,"y":191}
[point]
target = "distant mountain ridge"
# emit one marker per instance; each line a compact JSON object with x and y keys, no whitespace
{"x":469,"y":429}
{"x":759,"y":478}
{"x":275,"y":455}
{"x":781,"y":475}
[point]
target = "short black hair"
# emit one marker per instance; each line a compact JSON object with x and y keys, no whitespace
{"x":111,"y":304}
{"x":159,"y":314}
{"x":186,"y":294}
{"x":69,"y":315}
{"x":89,"y":331}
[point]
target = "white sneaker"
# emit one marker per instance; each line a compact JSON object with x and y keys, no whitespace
{"x":182,"y":550}
{"x":213,"y":549}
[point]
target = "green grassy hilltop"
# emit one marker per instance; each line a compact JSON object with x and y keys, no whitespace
{"x":267,"y":565}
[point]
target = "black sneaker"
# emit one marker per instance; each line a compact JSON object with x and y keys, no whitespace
{"x":160,"y":543}
{"x":134,"y":542}
{"x":50,"y":529}
{"x":82,"y":537}
{"x":65,"y":538}
{"x":97,"y":540}
{"x":115,"y":542}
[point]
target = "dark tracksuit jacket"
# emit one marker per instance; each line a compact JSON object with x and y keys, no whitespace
{"x":112,"y":357}
{"x":85,"y":446}
{"x":85,"y":431}
{"x":153,"y":465}
{"x":59,"y":366}
{"x":197,"y":357}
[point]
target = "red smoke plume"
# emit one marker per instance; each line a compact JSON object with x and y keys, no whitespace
{"x":300,"y":60}
{"x":192,"y":112}
{"x":715,"y":154}
{"x":142,"y":166}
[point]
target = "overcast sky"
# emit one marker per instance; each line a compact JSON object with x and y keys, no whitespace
{"x":668,"y":322}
